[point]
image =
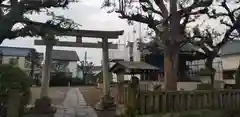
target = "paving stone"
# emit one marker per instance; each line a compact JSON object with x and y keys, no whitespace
{"x":74,"y":105}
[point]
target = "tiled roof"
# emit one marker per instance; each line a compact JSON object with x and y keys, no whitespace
{"x":232,"y":47}
{"x":15,"y":51}
{"x":65,"y":55}
{"x":133,"y":66}
{"x":137,"y":65}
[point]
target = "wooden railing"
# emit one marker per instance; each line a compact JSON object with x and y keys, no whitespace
{"x":178,"y":101}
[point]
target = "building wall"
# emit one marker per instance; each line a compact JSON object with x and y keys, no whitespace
{"x":217,"y":65}
{"x":230,"y":62}
{"x":123,"y":52}
{"x":69,"y":66}
{"x":120,"y":53}
{"x":72,"y":66}
{"x":21,"y":62}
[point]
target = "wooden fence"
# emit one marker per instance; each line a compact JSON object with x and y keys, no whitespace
{"x":150,"y":102}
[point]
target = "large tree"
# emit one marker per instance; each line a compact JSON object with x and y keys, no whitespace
{"x":210,"y":39}
{"x":15,"y":13}
{"x":160,"y":18}
{"x":85,"y":67}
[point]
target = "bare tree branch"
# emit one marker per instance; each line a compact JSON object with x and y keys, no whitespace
{"x":140,"y":18}
{"x":151,"y":7}
{"x":162,"y":7}
{"x":230,"y":14}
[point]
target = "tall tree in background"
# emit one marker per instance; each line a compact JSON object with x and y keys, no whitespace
{"x":85,"y":66}
{"x":15,"y":18}
{"x":158,"y":17}
{"x":210,"y":40}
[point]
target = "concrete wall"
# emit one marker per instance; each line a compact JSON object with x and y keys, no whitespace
{"x":187,"y":86}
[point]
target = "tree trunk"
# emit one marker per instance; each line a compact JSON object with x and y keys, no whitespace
{"x":171,"y":58}
{"x":209,"y":66}
{"x":172,"y":49}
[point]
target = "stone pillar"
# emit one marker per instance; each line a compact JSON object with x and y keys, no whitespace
{"x":106,"y":80}
{"x":120,"y":79}
{"x":120,"y":95}
{"x":13,"y":103}
{"x":47,"y":68}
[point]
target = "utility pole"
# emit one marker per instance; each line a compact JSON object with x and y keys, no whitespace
{"x":84,"y":67}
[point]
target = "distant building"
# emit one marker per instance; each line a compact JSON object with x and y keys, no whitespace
{"x":65,"y":61}
{"x":25,"y":58}
{"x":230,"y":56}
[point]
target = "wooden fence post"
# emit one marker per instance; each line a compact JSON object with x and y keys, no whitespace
{"x":14,"y":98}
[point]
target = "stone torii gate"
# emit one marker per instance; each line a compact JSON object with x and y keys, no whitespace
{"x":104,"y":35}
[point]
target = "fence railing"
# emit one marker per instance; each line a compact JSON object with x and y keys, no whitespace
{"x":176,"y":101}
{"x":150,"y":102}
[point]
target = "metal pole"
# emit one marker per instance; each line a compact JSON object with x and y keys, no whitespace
{"x":105,"y":64}
{"x":47,"y":69}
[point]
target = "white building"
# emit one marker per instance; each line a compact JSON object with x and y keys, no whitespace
{"x":230,"y":56}
{"x":21,"y":57}
{"x":65,"y":61}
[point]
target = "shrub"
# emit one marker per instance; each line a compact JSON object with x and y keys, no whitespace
{"x":12,"y":77}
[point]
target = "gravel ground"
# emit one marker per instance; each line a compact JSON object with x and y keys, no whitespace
{"x":92,"y":96}
{"x":57,"y":94}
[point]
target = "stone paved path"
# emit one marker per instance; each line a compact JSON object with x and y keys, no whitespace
{"x":74,"y":105}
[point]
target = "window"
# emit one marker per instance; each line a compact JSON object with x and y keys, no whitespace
{"x":13,"y":61}
{"x":228,"y":74}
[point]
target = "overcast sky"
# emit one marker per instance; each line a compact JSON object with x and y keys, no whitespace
{"x":90,"y":16}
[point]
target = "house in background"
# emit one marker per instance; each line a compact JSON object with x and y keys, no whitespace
{"x":230,"y":56}
{"x":65,"y":61}
{"x":191,"y":62}
{"x":25,"y":58}
{"x":91,"y":77}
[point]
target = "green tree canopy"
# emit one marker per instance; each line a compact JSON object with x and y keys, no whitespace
{"x":12,"y":77}
{"x":18,"y":13}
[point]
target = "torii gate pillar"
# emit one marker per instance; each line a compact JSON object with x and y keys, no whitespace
{"x":106,"y":80}
{"x":47,"y":67}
